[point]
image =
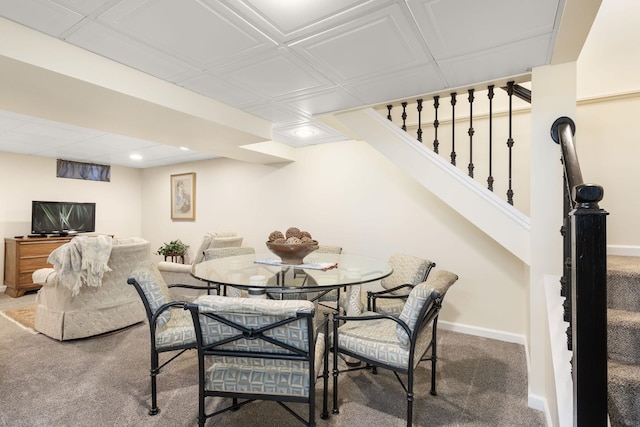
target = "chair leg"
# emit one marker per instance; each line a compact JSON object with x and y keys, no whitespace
{"x":202,"y":416}
{"x":154,"y":372}
{"x":410,"y":398}
{"x":312,"y":407}
{"x":433,"y":377}
{"x":325,"y":369}
{"x":335,"y":367}
{"x":434,"y":359}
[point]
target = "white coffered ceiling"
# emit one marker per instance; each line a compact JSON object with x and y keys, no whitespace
{"x":284,"y":61}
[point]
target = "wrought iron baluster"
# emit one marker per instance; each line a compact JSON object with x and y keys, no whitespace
{"x":490,"y":178}
{"x":510,"y":142}
{"x":419,"y":119}
{"x":404,"y":116}
{"x":436,"y":123}
{"x":453,"y":128}
{"x":471,"y":132}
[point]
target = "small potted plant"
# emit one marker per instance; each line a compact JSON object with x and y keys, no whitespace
{"x":175,"y":248}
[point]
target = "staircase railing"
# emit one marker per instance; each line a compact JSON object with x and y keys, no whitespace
{"x":584,"y":283}
{"x":413,"y":119}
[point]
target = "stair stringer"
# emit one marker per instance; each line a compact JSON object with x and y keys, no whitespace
{"x":494,"y":216}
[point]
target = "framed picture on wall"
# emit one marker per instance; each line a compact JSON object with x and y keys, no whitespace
{"x":183,"y":196}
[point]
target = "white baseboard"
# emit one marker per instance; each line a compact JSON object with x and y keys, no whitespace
{"x":534,"y":401}
{"x":623,"y":250}
{"x":538,"y":402}
{"x":2,"y":288}
{"x":482,"y":332}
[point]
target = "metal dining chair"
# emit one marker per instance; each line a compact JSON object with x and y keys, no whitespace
{"x":170,"y":326}
{"x":258,"y":349}
{"x":394,"y":343}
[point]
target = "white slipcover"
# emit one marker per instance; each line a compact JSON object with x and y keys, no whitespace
{"x":95,"y":310}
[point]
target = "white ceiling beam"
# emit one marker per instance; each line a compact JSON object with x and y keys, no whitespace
{"x":47,"y":78}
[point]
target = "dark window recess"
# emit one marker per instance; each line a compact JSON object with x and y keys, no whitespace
{"x":79,"y":170}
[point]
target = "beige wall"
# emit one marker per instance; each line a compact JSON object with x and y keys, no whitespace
{"x":347,"y":194}
{"x":27,"y":178}
{"x":608,"y":145}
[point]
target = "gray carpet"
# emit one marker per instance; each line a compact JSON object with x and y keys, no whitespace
{"x":105,"y":381}
{"x":623,"y":339}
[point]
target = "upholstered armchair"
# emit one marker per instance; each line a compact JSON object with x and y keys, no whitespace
{"x":170,"y":326}
{"x":215,"y":253}
{"x":257,"y":349}
{"x":79,"y":297}
{"x":394,"y":343}
{"x":176,"y":273}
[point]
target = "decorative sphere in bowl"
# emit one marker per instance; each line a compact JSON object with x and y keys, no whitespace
{"x":292,"y":253}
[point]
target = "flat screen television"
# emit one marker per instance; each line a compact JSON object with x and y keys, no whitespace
{"x":62,"y":218}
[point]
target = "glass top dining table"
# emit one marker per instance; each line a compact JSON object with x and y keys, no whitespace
{"x":320,"y":272}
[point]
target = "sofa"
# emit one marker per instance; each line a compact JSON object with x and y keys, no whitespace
{"x":104,"y":305}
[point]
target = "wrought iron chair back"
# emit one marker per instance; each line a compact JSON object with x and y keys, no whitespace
{"x":257,"y":349}
{"x":170,"y":327}
{"x":408,"y":271}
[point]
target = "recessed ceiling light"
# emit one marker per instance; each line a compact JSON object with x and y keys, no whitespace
{"x":135,"y":157}
{"x":305,"y":132}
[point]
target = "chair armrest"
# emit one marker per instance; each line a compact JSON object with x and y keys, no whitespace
{"x":165,"y":307}
{"x":337,"y":318}
{"x":206,"y":287}
{"x":379,"y":294}
{"x":375,"y":316}
{"x":44,"y":276}
{"x":372,"y":296}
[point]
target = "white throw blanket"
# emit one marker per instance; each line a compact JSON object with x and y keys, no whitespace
{"x":82,"y":262}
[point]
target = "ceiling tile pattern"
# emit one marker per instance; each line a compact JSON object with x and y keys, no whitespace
{"x":286,"y":61}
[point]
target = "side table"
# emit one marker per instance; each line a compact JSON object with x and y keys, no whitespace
{"x":175,"y":258}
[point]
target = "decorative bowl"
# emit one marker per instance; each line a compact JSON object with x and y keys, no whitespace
{"x":292,"y":254}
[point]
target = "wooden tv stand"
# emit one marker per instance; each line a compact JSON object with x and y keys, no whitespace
{"x":23,"y":256}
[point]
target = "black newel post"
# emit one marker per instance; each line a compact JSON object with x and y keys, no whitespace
{"x":589,"y":307}
{"x":584,"y":284}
